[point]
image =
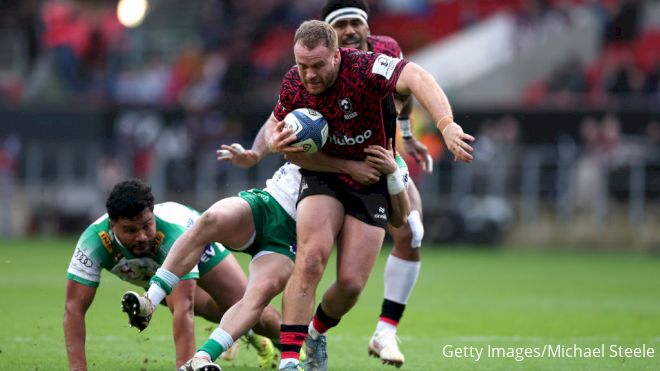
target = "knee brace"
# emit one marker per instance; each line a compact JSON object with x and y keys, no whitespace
{"x":417,"y":228}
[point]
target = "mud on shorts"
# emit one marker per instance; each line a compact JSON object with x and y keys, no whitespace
{"x":275,"y":229}
{"x":369,"y":204}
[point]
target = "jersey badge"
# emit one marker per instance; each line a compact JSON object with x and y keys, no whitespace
{"x":160,"y":236}
{"x":384,"y":65}
{"x":346,"y":106}
{"x":106,"y":240}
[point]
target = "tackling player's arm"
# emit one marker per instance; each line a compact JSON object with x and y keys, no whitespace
{"x":383,"y":160}
{"x":235,"y":153}
{"x":180,"y":302}
{"x":279,"y":140}
{"x":414,"y":79}
{"x":78,"y":299}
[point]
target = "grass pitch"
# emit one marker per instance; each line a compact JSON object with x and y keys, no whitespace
{"x":466,"y":299}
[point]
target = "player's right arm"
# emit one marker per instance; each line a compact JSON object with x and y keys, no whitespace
{"x":78,"y":299}
{"x":83,"y":277}
{"x":180,"y":302}
{"x":414,"y":79}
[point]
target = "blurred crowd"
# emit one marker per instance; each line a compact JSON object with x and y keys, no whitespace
{"x":626,"y":73}
{"x":77,"y":50}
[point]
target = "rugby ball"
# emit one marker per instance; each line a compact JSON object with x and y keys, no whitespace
{"x":309,"y":127}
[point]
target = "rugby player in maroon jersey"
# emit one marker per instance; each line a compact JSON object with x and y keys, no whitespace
{"x":349,"y":19}
{"x":347,"y":87}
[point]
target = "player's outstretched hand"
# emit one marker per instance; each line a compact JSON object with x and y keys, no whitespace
{"x":237,"y":155}
{"x":281,"y":139}
{"x":381,"y":159}
{"x":420,"y":153}
{"x":456,"y":141}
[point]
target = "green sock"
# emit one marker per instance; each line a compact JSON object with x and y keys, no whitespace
{"x":213,"y":348}
{"x":218,"y":342}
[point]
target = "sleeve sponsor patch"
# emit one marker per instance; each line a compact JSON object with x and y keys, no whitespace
{"x":82,"y":265}
{"x":384,"y":66}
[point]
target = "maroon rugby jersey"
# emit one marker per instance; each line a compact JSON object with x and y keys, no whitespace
{"x":389,"y":46}
{"x":384,"y":45}
{"x":352,"y":105}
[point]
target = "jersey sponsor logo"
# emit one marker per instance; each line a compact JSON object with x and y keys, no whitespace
{"x":380,"y":214}
{"x":346,"y":106}
{"x":350,"y":141}
{"x":264,"y":197}
{"x":106,"y":240}
{"x":208,"y":254}
{"x":160,"y":236}
{"x":83,"y":258}
{"x":384,"y":66}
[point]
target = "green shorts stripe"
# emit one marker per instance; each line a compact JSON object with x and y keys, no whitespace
{"x":275,"y":229}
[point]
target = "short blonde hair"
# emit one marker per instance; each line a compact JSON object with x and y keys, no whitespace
{"x":314,"y":32}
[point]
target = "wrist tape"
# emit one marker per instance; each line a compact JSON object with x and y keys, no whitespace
{"x":395,"y":183}
{"x":405,"y":127}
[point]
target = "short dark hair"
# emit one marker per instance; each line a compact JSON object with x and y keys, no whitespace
{"x":128,"y":199}
{"x":313,"y":33}
{"x":332,"y":5}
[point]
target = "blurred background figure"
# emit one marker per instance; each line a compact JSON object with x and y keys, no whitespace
{"x":9,"y":153}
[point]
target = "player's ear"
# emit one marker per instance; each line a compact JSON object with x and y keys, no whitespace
{"x":337,"y":57}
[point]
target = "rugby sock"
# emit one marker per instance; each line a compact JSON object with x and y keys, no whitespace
{"x":292,"y":338}
{"x":155,"y":294}
{"x":276,"y":344}
{"x":165,"y":279}
{"x":321,"y":323}
{"x":390,"y":315}
{"x":218,"y":342}
{"x":400,"y":278}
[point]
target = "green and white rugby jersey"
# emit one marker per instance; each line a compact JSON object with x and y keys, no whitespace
{"x":284,"y":186}
{"x":99,"y":249}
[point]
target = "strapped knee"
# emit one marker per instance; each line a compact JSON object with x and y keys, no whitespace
{"x":417,"y":228}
